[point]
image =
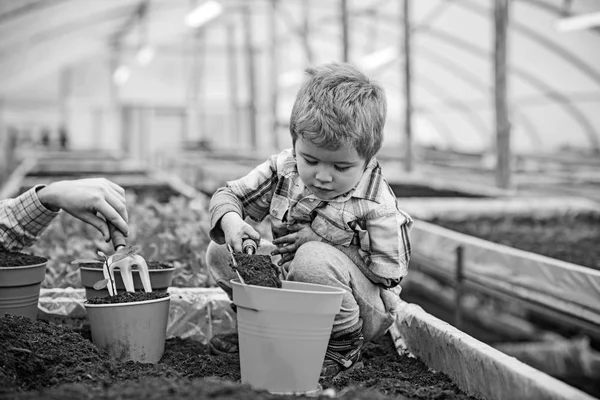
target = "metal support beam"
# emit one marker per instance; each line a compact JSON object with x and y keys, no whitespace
{"x":274,"y":59}
{"x":250,"y":75}
{"x":503,"y":151}
{"x":232,"y":65}
{"x":406,"y":51}
{"x":345,"y":31}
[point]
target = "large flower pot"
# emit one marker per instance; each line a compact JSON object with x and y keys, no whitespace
{"x":160,"y":278}
{"x":20,"y":288}
{"x":133,"y":331}
{"x":283,"y":334}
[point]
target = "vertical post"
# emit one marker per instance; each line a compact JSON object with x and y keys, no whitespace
{"x":274,"y":73}
{"x":503,"y":154}
{"x":64,"y":93}
{"x":345,"y":31}
{"x":247,"y":17}
{"x":233,"y":83}
{"x":459,"y":287}
{"x":193,"y":119}
{"x":408,"y":143}
{"x":306,"y":31}
{"x":115,"y":110}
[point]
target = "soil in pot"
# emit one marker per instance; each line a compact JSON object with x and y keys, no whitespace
{"x":127,"y":297}
{"x":43,"y":361}
{"x":17,"y":259}
{"x":257,"y":269}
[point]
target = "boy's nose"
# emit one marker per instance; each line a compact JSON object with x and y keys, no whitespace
{"x":323,"y":175}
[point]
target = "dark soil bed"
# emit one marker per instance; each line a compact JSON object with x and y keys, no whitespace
{"x":16,"y":259}
{"x":573,"y":238}
{"x":415,"y":190}
{"x":43,"y":361}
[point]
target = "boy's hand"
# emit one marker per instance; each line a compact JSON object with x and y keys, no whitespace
{"x":236,"y":230}
{"x":288,"y":244}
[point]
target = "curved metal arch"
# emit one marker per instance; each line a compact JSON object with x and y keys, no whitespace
{"x":116,"y":13}
{"x":478,"y":84}
{"x":476,"y":121}
{"x":435,"y":120}
{"x":532,"y":80}
{"x":431,"y":115}
{"x":543,"y":41}
{"x":554,"y":10}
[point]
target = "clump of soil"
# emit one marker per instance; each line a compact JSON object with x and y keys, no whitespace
{"x":43,"y":361}
{"x":16,"y":259}
{"x":127,"y":297}
{"x":257,"y":269}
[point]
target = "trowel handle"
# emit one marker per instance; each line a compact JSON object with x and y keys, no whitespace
{"x":117,"y":237}
{"x":249,"y":246}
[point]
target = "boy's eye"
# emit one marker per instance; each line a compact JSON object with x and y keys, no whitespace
{"x":341,"y":169}
{"x":310,"y":162}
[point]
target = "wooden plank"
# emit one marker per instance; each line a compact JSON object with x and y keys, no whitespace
{"x":478,"y":369}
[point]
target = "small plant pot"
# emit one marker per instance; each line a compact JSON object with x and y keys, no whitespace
{"x":283,"y":334}
{"x":133,"y":331}
{"x":160,"y":278}
{"x":20,"y":288}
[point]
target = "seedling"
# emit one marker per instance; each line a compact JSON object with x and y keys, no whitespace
{"x":123,"y":259}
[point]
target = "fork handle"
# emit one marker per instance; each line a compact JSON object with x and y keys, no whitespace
{"x":117,"y":237}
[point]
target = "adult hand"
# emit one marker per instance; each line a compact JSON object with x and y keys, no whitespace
{"x":94,"y":200}
{"x":288,"y":244}
{"x":235,"y":230}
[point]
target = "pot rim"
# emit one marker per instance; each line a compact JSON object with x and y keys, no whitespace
{"x":333,"y":289}
{"x":131,"y":303}
{"x":133,"y":270}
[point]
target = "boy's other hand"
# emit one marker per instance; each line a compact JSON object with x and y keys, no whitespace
{"x":236,"y":230}
{"x":288,"y":244}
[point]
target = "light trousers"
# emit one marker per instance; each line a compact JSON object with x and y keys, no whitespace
{"x":364,"y":303}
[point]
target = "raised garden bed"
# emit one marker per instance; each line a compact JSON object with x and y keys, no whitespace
{"x":574,"y":237}
{"x":417,"y":190}
{"x":45,"y":361}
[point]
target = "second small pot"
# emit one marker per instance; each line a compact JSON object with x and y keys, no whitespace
{"x":160,"y":278}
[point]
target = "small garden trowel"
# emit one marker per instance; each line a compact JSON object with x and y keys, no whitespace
{"x":124,"y":258}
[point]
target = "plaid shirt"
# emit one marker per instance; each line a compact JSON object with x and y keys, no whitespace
{"x":22,"y":220}
{"x":365,"y":222}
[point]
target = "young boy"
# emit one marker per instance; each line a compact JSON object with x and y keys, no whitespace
{"x":334,"y":218}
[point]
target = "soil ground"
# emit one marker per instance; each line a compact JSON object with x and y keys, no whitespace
{"x":43,"y":361}
{"x":572,"y":238}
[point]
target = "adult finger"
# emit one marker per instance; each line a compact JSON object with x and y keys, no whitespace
{"x":111,"y":214}
{"x":118,"y":202}
{"x":115,"y":187}
{"x":96,"y":222}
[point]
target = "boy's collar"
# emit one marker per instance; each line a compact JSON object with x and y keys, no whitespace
{"x":370,"y":182}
